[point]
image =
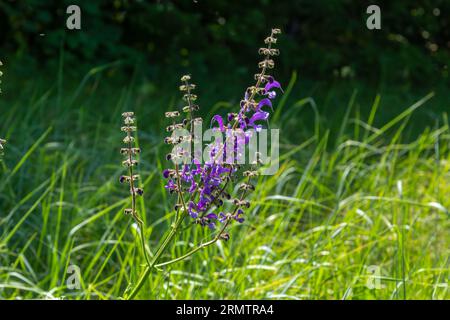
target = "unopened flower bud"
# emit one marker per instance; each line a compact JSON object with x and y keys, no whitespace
{"x":270,"y":40}
{"x":172,"y":114}
{"x":128,"y":129}
{"x":123,"y":179}
{"x":129,"y":163}
{"x":128,"y":114}
{"x":185,"y":78}
{"x":276,"y":31}
{"x":225,"y":236}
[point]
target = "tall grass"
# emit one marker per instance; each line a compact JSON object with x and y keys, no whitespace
{"x":357,"y":214}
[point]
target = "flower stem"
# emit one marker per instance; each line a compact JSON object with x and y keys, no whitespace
{"x":201,"y":246}
{"x":154,"y":260}
{"x":142,"y":238}
{"x":136,"y":217}
{"x":206,"y":244}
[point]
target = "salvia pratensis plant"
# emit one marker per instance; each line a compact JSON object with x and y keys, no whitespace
{"x":202,"y":190}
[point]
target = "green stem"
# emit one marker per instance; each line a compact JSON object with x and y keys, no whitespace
{"x":155,"y":259}
{"x":142,"y":237}
{"x":163,"y":247}
{"x":138,"y":220}
{"x":201,"y":246}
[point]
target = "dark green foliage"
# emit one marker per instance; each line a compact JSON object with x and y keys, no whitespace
{"x":322,"y":38}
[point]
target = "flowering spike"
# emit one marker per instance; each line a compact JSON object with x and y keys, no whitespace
{"x":205,"y":184}
{"x":129,"y":151}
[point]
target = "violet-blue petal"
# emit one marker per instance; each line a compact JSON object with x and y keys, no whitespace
{"x":264,"y":102}
{"x":203,"y":203}
{"x":166,"y":173}
{"x":170,"y":185}
{"x":193,"y":214}
{"x":212,"y":216}
{"x":192,"y":209}
{"x":222,"y":217}
{"x":272,"y":83}
{"x":219,"y":121}
{"x":260,"y":115}
{"x":211,"y":225}
{"x":192,"y":187}
{"x":238,"y":217}
{"x":271,"y":94}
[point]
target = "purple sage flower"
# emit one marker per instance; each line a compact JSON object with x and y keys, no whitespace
{"x":203,"y":186}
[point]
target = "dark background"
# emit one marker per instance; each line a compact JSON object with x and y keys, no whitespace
{"x":212,"y":37}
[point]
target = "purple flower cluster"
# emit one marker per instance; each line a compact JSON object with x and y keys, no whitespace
{"x":201,"y":188}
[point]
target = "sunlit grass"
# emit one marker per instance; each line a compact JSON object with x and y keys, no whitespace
{"x":344,"y":202}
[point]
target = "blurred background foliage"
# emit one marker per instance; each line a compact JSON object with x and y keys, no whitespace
{"x":323,"y":39}
{"x":326,"y":44}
